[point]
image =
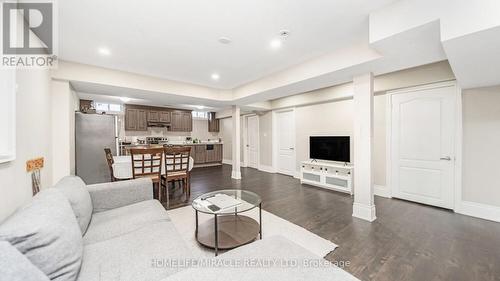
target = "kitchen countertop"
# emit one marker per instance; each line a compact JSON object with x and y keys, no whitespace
{"x":161,"y":145}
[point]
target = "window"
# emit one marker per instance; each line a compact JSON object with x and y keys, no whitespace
{"x":107,"y":107}
{"x":200,"y":114}
{"x":7,"y":115}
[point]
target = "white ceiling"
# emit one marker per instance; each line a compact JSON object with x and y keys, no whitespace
{"x":178,"y":39}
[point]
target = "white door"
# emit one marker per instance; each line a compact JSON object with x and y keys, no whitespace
{"x":422,"y":140}
{"x":253,"y":141}
{"x":285,"y":137}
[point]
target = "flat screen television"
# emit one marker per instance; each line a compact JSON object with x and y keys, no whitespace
{"x":331,"y":148}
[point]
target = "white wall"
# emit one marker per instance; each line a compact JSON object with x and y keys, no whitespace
{"x":481,"y":146}
{"x":33,"y":139}
{"x":336,"y":119}
{"x":265,"y":139}
{"x":65,"y":103}
{"x":226,"y":128}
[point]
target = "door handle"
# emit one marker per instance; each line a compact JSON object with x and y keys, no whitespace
{"x":291,"y":148}
{"x":447,"y":158}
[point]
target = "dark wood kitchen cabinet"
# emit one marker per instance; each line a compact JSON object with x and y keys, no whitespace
{"x":213,"y":152}
{"x":138,"y":116}
{"x":164,"y":116}
{"x":181,"y":121}
{"x":200,"y":154}
{"x":131,"y":119}
{"x":153,"y":116}
{"x":213,"y":123}
{"x":136,"y":119}
{"x":142,"y":120}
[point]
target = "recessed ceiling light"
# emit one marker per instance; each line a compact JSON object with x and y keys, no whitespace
{"x":225,"y":40}
{"x":125,"y":99}
{"x":104,"y":51}
{"x":276,"y":43}
{"x":215,"y":76}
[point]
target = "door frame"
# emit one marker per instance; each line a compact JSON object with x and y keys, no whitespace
{"x":245,"y":140}
{"x":275,"y":142}
{"x":457,"y":179}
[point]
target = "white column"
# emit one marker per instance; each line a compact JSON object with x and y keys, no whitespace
{"x":235,"y":111}
{"x":364,"y":206}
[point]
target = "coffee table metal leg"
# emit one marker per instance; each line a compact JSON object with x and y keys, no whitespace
{"x":196,"y":231}
{"x":216,"y":237}
{"x":260,"y":220}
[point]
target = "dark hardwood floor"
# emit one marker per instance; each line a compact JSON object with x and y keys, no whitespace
{"x":408,"y":241}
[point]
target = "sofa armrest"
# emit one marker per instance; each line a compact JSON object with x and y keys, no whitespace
{"x":111,"y":195}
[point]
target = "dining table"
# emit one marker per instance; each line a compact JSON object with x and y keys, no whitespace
{"x":122,"y":166}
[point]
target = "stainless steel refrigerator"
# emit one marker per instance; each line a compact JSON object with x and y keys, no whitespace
{"x":93,"y":133}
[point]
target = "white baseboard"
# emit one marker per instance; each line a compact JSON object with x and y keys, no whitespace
{"x":479,"y":210}
{"x":227,"y":161}
{"x":236,"y":175}
{"x":364,"y":212}
{"x":267,"y":169}
{"x":382,"y":191}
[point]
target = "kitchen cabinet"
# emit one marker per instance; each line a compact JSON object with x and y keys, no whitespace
{"x":213,"y":153}
{"x":137,"y":118}
{"x":181,"y":121}
{"x":131,"y":119}
{"x":164,"y":116}
{"x":153,"y":116}
{"x":213,"y":123}
{"x":142,"y":120}
{"x":200,"y":154}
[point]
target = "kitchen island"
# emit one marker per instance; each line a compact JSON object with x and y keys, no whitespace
{"x":204,"y":154}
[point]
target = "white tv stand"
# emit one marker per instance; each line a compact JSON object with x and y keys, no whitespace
{"x":329,"y":175}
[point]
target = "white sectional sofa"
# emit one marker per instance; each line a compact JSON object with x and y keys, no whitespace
{"x":117,"y":232}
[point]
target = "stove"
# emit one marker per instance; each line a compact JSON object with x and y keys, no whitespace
{"x":156,"y":140}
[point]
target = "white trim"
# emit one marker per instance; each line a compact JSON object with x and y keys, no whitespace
{"x":382,"y":191}
{"x":364,"y":212}
{"x":275,"y":143}
{"x":267,"y":169}
{"x":236,"y":175}
{"x":457,"y":196}
{"x":227,"y":161}
{"x":479,"y":210}
{"x":243,"y":164}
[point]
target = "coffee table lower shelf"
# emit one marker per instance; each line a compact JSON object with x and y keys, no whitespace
{"x":232,"y":231}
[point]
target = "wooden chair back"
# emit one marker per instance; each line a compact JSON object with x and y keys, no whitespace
{"x":111,"y":161}
{"x":146,"y":162}
{"x":177,"y":158}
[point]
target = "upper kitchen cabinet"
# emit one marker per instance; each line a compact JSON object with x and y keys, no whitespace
{"x":142,"y":120}
{"x":131,"y":119}
{"x":181,"y":121}
{"x":153,"y":116}
{"x":164,"y":116}
{"x":136,"y":119}
{"x":213,"y":123}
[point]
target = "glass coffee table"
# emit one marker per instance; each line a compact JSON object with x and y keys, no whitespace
{"x":228,"y":228}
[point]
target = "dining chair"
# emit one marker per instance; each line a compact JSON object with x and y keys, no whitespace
{"x":111,"y":161}
{"x":147,"y":163}
{"x":177,"y":160}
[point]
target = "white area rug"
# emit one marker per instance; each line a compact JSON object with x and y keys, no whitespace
{"x":185,"y":222}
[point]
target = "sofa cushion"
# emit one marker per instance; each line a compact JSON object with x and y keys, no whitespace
{"x":47,"y":233}
{"x":14,"y":266}
{"x":116,"y":222}
{"x":273,"y":258}
{"x":133,"y":256}
{"x":78,"y":196}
